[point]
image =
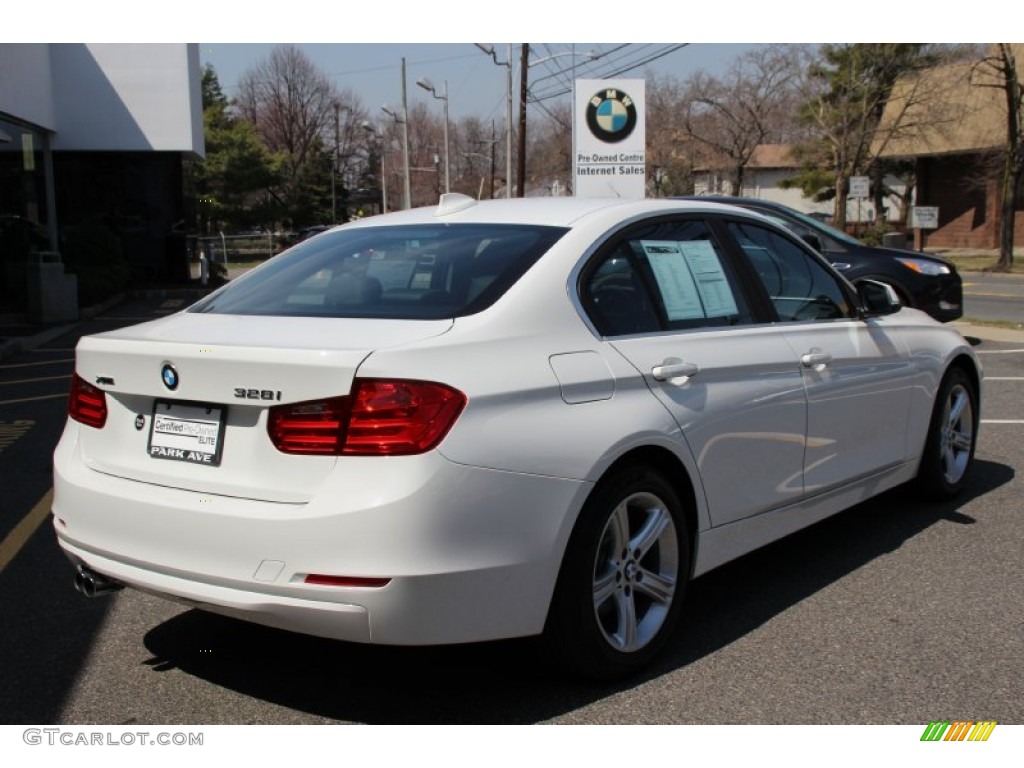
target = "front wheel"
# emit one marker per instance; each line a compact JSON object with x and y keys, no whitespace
{"x":621,"y":585}
{"x":949,"y":449}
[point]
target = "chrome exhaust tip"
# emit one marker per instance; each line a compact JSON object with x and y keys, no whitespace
{"x":92,"y":584}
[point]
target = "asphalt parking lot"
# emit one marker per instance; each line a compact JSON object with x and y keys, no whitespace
{"x":896,"y":611}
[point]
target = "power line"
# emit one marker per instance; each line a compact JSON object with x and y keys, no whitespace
{"x":617,"y":61}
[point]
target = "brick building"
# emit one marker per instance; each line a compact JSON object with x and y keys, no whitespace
{"x":954,"y":120}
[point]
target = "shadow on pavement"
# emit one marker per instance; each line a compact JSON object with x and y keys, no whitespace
{"x":510,"y":681}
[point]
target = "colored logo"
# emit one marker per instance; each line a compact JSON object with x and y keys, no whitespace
{"x":958,"y":730}
{"x":169,"y":376}
{"x":611,"y":115}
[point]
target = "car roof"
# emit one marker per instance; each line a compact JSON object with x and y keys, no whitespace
{"x":541,"y":211}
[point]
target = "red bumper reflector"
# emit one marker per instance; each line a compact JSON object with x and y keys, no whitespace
{"x":345,"y":581}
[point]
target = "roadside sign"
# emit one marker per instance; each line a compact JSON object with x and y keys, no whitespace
{"x":924,"y":217}
{"x":609,"y":131}
{"x":860,"y":187}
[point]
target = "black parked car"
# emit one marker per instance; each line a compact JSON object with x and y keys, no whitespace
{"x":921,"y":280}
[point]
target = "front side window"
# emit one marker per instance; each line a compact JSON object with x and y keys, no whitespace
{"x":666,"y":276}
{"x":798,"y":285}
{"x":425,"y":272}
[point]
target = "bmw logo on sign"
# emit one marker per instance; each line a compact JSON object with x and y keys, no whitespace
{"x":611,"y":115}
{"x":169,"y":376}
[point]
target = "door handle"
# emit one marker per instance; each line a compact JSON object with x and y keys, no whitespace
{"x":673,"y":368}
{"x":816,"y":359}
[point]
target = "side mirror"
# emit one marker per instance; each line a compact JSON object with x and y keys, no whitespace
{"x":877,"y":298}
{"x":813,"y":240}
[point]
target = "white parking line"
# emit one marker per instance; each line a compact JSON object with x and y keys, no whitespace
{"x":1004,"y":378}
{"x":34,"y":399}
{"x":33,"y":381}
{"x":999,"y":351}
{"x":30,"y":365}
{"x":1002,"y":421}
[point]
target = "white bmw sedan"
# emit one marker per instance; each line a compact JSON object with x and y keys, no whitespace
{"x":488,"y":420}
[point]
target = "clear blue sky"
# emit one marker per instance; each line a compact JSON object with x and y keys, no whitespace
{"x":475,"y":85}
{"x":360,"y":45}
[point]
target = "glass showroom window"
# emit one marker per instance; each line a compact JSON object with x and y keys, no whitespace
{"x":24,"y":213}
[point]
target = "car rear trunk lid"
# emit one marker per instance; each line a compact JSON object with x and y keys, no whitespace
{"x":188,"y":396}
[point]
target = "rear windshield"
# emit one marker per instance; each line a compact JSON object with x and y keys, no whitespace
{"x":406,"y":272}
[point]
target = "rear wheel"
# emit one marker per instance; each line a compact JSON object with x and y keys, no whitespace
{"x":621,"y":585}
{"x":949,"y":450}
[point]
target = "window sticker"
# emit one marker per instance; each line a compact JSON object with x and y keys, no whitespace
{"x":675,"y":280}
{"x":691,"y":279}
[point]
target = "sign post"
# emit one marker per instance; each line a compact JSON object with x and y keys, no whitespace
{"x":860,"y":189}
{"x":923,"y":217}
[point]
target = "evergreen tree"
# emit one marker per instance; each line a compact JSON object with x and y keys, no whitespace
{"x":232,"y":184}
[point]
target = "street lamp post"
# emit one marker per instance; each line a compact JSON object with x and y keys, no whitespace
{"x":489,"y":50}
{"x":425,"y":84}
{"x":406,"y":192}
{"x":383,"y":164}
{"x":403,"y":120}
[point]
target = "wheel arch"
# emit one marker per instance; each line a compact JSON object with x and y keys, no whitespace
{"x":571,"y":627}
{"x":676,"y":475}
{"x":967,"y":364}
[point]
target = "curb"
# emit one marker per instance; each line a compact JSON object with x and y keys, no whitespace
{"x":989,"y":332}
{"x":16,"y":345}
{"x":12,"y":347}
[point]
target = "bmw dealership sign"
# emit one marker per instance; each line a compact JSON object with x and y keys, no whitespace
{"x":609,"y":132}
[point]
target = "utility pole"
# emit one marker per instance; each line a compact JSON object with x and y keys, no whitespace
{"x":524,"y":67}
{"x":494,"y":140}
{"x":407,"y":189}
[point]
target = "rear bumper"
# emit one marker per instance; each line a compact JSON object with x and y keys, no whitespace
{"x":471,"y":554}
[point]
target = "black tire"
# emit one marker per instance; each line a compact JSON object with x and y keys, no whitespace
{"x":621,"y":585}
{"x":949,"y":450}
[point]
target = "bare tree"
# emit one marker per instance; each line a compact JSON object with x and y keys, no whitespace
{"x":999,"y":70}
{"x":550,"y":152}
{"x":289,"y":101}
{"x":301,"y":116}
{"x":751,"y":104}
{"x":670,"y":150}
{"x":476,"y":151}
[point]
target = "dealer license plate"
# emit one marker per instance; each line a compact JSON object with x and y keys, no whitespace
{"x":189,"y":432}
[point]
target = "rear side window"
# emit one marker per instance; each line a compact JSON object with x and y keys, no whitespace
{"x":409,"y":272}
{"x":666,"y":276}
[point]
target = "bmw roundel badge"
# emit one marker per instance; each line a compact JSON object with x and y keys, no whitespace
{"x":169,"y":376}
{"x":611,"y":115}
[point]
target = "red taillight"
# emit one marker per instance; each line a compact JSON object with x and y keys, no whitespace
{"x":309,"y":428}
{"x":86,"y":403}
{"x":382,"y":417}
{"x":400,"y":417}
